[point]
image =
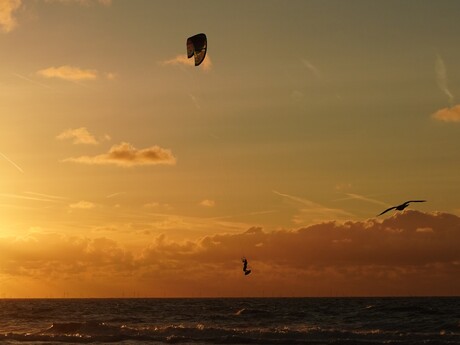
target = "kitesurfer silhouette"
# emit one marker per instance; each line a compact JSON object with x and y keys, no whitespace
{"x":245,"y":266}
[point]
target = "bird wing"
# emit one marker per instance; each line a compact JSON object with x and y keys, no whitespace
{"x":388,"y":209}
{"x":414,"y":201}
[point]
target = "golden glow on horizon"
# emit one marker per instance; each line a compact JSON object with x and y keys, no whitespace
{"x":127,"y":171}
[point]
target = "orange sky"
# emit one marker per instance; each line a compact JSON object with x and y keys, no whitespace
{"x":126,"y":170}
{"x":412,"y":253}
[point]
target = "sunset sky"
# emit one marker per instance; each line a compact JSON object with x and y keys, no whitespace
{"x":127,"y":171}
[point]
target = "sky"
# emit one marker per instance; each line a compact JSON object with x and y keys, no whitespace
{"x":127,"y":171}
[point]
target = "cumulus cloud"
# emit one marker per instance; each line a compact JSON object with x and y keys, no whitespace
{"x":182,"y":60}
{"x":79,"y":136}
{"x":451,"y":114}
{"x":208,"y":203}
{"x":409,"y":253}
{"x":393,"y":256}
{"x":7,"y":9}
{"x":126,"y":155}
{"x":41,"y":254}
{"x":69,"y":73}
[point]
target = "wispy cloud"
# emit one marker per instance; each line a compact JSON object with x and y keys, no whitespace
{"x":182,"y":60}
{"x":20,"y":76}
{"x":7,"y":10}
{"x":312,"y":68}
{"x":69,"y":73}
{"x":40,"y":197}
{"x":158,"y":206}
{"x":352,"y":196}
{"x":82,"y":2}
{"x":441,"y":78}
{"x":81,"y":136}
{"x":195,"y":101}
{"x":11,"y":162}
{"x":451,"y":114}
{"x":113,"y":195}
{"x":83,"y":205}
{"x":126,"y":155}
{"x":48,"y":196}
{"x":314,"y":212}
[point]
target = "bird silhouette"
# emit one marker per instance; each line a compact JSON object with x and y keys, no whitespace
{"x":400,"y":207}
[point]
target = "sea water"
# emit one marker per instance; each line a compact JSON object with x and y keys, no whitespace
{"x":231,"y":321}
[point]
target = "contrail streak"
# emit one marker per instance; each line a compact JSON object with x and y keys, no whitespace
{"x":46,"y":195}
{"x":114,"y":195}
{"x":18,"y":196}
{"x":441,"y":76}
{"x":352,"y":196}
{"x":31,"y":80}
{"x":12,"y":163}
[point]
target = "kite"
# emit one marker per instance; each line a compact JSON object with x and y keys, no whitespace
{"x":197,"y":46}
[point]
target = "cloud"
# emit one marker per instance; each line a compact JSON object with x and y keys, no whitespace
{"x":411,"y":253}
{"x":7,"y":20}
{"x":424,"y":230}
{"x":111,"y":76}
{"x":352,"y":196}
{"x":31,"y":196}
{"x":47,"y":196}
{"x":82,"y":2}
{"x":126,"y":155}
{"x":69,"y":73}
{"x":448,"y":114}
{"x":370,"y":257}
{"x":47,"y":255}
{"x":208,"y":203}
{"x":314,"y":212}
{"x":156,"y":205}
{"x":11,"y":162}
{"x":113,"y":195}
{"x":441,"y":78}
{"x":182,"y":60}
{"x":83,"y":205}
{"x":8,"y":8}
{"x":79,"y":135}
{"x":312,"y":68}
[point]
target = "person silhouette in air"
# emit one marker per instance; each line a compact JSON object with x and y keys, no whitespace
{"x":245,"y":266}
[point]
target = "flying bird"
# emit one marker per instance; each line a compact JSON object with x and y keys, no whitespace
{"x":245,"y":266}
{"x":400,"y":207}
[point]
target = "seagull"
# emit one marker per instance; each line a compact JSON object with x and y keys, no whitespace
{"x":400,"y":207}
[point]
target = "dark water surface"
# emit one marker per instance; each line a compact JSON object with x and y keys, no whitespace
{"x":232,"y":321}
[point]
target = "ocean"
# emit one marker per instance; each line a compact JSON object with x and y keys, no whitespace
{"x":231,"y":321}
